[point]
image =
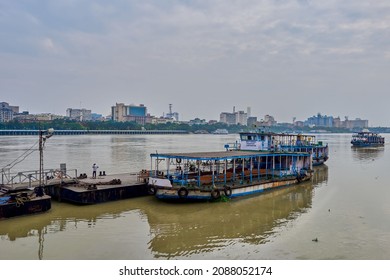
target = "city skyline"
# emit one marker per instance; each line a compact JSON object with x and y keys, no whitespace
{"x":138,"y":113}
{"x":290,"y":59}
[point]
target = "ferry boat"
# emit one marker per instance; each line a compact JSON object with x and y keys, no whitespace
{"x":212,"y":175}
{"x":367,"y":139}
{"x":269,"y":141}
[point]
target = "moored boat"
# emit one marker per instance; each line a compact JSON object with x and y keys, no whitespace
{"x":23,"y":202}
{"x":269,"y":141}
{"x":212,"y":175}
{"x":366,"y":138}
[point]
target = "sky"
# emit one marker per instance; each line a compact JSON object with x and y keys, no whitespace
{"x":285,"y":58}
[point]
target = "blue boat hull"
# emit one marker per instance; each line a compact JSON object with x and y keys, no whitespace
{"x":362,"y":144}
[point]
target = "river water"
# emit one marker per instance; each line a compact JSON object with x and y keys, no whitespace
{"x":346,"y":207}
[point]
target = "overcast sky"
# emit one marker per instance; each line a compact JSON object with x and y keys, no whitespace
{"x":286,"y":58}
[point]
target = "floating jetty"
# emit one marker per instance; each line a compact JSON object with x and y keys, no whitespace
{"x":65,"y":185}
{"x":101,"y":189}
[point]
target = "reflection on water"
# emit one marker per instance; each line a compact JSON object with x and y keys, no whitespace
{"x":320,"y":175}
{"x":196,"y":229}
{"x":185,"y":230}
{"x":173,"y":230}
{"x":367,"y":154}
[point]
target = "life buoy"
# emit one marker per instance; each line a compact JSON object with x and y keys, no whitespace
{"x":228,"y":191}
{"x":182,"y":192}
{"x":215,"y":194}
{"x":152,"y":190}
{"x":178,"y":160}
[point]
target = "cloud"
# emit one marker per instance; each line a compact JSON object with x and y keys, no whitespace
{"x":165,"y":50}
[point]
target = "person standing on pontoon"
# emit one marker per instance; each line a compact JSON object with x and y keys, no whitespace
{"x":94,"y":169}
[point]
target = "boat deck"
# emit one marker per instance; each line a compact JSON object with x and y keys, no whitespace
{"x":102,"y":189}
{"x":106,"y":182}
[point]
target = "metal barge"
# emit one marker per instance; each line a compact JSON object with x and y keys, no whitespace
{"x":212,"y":175}
{"x":69,"y":186}
{"x":20,"y":201}
{"x":102,"y":189}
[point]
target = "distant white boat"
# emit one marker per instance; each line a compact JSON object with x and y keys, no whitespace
{"x":221,"y":131}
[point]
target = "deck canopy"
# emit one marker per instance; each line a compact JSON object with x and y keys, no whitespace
{"x":225,"y":155}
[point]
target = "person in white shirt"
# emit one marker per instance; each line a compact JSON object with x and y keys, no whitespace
{"x":94,"y":169}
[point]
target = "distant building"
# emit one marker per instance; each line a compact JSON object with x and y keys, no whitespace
{"x":228,"y":118}
{"x":329,"y":121}
{"x":162,"y":120}
{"x":172,"y":115}
{"x":130,"y":113}
{"x":356,"y":123}
{"x":350,"y":124}
{"x":267,"y":121}
{"x":239,"y":117}
{"x":319,"y":120}
{"x":197,"y":121}
{"x":97,"y":117}
{"x":79,"y":114}
{"x":252,"y":122}
{"x":25,"y":117}
{"x":299,"y":123}
{"x":7,"y":112}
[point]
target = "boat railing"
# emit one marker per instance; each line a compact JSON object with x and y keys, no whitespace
{"x":232,"y":146}
{"x":27,"y":178}
{"x":239,"y":177}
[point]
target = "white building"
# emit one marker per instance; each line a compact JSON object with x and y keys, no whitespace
{"x":79,"y":114}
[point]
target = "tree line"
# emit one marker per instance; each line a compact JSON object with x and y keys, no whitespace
{"x":64,"y":124}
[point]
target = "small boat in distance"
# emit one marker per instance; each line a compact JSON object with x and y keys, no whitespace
{"x":282,"y":142}
{"x":366,"y":138}
{"x":211,"y":175}
{"x":221,"y":131}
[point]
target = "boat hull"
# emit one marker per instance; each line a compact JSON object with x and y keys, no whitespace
{"x":362,"y":144}
{"x":186,"y":194}
{"x":11,"y":208}
{"x":319,"y":161}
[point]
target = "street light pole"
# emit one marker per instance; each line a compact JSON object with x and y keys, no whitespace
{"x":42,"y":138}
{"x":40,"y":157}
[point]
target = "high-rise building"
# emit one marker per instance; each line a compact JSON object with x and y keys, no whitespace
{"x":237,"y":117}
{"x":7,"y":112}
{"x":130,"y":113}
{"x":241,"y":118}
{"x":228,"y":118}
{"x":319,"y":120}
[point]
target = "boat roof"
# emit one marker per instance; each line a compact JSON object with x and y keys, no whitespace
{"x":366,"y":133}
{"x":221,"y":155}
{"x":278,"y":134}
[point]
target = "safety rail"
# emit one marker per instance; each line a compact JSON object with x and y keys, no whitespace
{"x":9,"y":178}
